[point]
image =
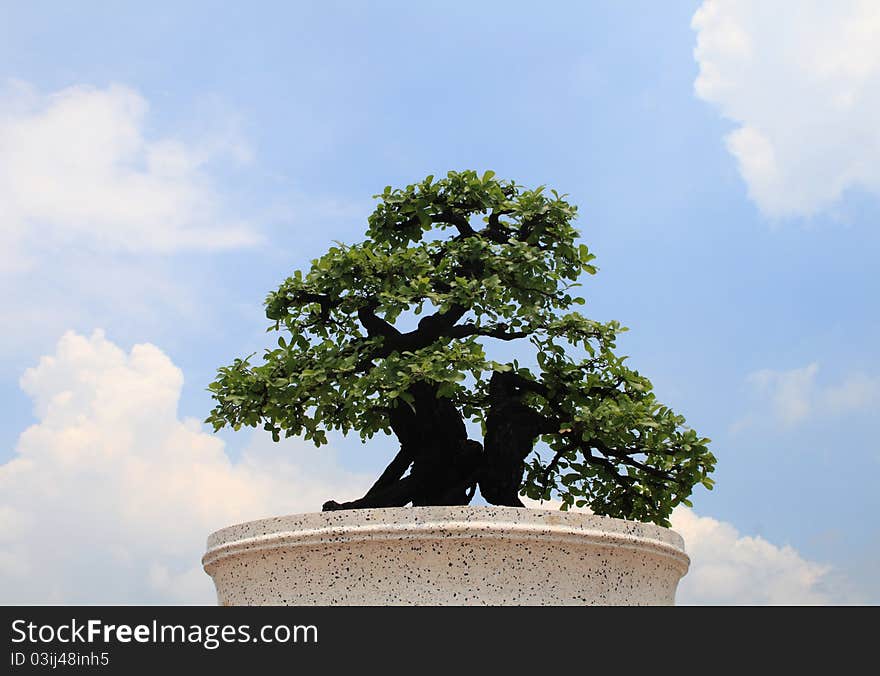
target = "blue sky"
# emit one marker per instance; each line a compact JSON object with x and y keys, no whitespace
{"x":163,"y":167}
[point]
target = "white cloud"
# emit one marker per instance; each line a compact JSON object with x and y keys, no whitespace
{"x":728,"y":568}
{"x":77,"y":170}
{"x":802,"y":82}
{"x":110,"y":496}
{"x":794,"y":395}
{"x":791,"y":393}
{"x":856,"y":392}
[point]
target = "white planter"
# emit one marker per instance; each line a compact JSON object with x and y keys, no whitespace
{"x":445,"y":556}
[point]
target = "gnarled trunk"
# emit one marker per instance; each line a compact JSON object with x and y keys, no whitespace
{"x":444,"y":465}
{"x":511,"y":430}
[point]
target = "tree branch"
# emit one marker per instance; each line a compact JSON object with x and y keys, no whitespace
{"x":439,"y":322}
{"x":498,"y":331}
{"x":493,"y":230}
{"x":444,"y":216}
{"x":456,"y":219}
{"x":326,"y":302}
{"x":625,"y":457}
{"x":375,"y":325}
{"x":545,"y":475}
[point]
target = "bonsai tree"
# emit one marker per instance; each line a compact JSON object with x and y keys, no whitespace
{"x":397,"y":335}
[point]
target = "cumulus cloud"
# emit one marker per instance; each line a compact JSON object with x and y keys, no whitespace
{"x":78,"y":170}
{"x":728,"y":568}
{"x":802,"y":82}
{"x":794,"y":395}
{"x":110,"y":495}
{"x":735,"y":569}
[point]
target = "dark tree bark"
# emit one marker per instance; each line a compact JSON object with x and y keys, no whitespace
{"x":444,"y":465}
{"x":512,"y":428}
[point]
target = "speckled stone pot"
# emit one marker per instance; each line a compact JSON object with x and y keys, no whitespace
{"x":445,"y":556}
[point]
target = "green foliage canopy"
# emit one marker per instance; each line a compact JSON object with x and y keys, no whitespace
{"x":473,"y":260}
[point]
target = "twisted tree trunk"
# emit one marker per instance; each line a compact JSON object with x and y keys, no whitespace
{"x":444,"y":465}
{"x":512,"y":428}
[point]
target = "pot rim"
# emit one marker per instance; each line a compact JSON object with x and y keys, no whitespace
{"x":410,"y":524}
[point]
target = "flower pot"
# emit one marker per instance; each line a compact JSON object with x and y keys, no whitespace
{"x":445,"y":556}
